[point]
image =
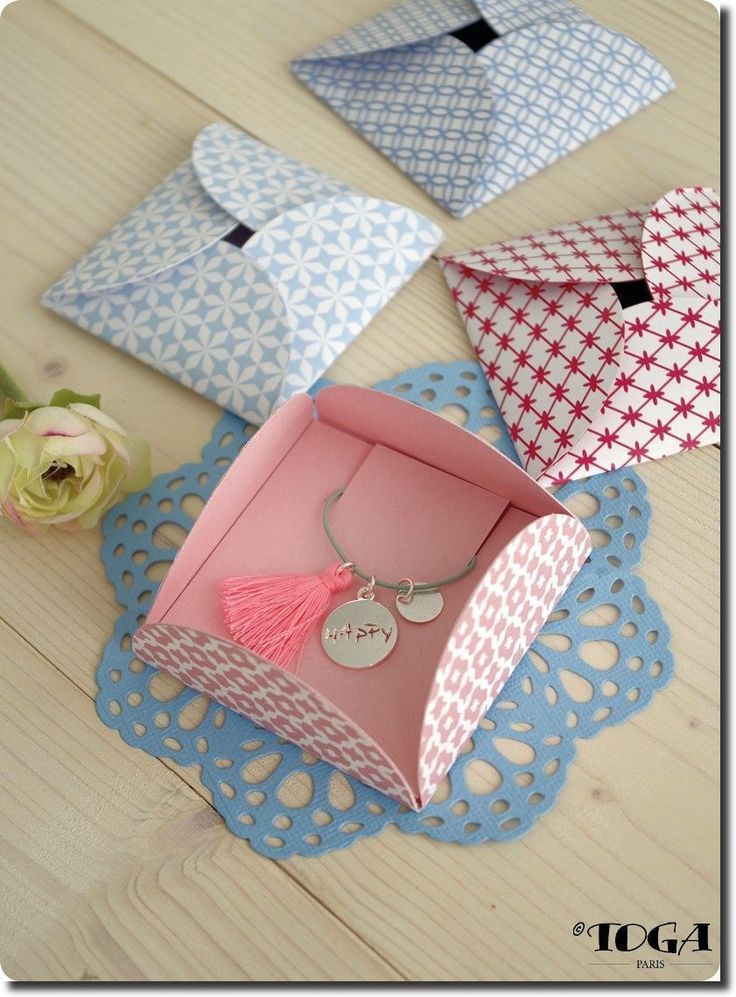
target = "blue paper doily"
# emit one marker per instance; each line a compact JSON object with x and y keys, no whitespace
{"x":285,"y":801}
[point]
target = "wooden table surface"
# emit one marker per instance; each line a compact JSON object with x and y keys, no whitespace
{"x":115,"y":866}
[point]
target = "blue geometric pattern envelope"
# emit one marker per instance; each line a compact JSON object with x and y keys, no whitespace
{"x":469,"y":97}
{"x":245,"y":273}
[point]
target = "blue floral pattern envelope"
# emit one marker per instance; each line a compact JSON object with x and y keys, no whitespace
{"x":469,"y":97}
{"x":245,"y":273}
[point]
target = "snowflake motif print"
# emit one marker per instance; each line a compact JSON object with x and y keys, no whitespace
{"x":248,"y":325}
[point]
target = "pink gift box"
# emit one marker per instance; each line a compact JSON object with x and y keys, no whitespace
{"x":422,"y":496}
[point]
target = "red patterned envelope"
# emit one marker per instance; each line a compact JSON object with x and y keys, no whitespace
{"x":600,"y":339}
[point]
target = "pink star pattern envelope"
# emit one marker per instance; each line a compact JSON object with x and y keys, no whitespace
{"x":600,"y":339}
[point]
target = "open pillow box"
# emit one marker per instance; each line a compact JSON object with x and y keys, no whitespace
{"x":422,"y":497}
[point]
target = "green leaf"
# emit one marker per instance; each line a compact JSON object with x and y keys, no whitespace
{"x":65,"y":397}
{"x":16,"y":410}
{"x":9,"y":390}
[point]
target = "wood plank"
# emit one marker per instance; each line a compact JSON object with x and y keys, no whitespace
{"x":114,"y":870}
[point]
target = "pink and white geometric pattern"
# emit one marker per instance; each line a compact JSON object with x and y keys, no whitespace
{"x":585,"y":384}
{"x":503,"y":616}
{"x":273,"y":698}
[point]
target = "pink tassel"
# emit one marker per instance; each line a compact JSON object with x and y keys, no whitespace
{"x":273,"y":615}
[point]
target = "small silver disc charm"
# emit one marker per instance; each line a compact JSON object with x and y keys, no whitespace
{"x":420,"y":607}
{"x":359,"y":634}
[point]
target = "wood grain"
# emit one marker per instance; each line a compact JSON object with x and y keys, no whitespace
{"x":116,"y":866}
{"x":114,"y":869}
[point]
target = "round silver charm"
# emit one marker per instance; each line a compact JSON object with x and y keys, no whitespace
{"x":359,"y":634}
{"x":422,"y":606}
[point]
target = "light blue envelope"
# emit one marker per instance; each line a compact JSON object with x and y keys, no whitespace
{"x":469,"y":97}
{"x":245,"y":273}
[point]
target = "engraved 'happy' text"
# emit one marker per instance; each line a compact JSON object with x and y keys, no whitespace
{"x":348,"y":632}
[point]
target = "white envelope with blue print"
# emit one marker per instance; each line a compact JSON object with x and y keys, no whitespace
{"x":245,"y":273}
{"x":470,"y":97}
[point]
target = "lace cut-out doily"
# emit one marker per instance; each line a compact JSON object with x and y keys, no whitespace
{"x":600,"y":658}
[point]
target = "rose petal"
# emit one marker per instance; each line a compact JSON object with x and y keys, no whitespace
{"x":139,"y":475}
{"x":8,"y":426}
{"x":33,"y":451}
{"x":98,"y":416}
{"x":51,"y":420}
{"x":137,"y":455}
{"x":7,"y":467}
{"x":9,"y":510}
{"x":89,"y":444}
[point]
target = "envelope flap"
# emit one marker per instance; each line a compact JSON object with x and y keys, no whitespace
{"x":509,"y":15}
{"x":428,"y":106}
{"x":551,"y":353}
{"x":419,"y":20}
{"x":253,"y":182}
{"x":666,"y":396}
{"x":681,"y":244}
{"x":336,"y":262}
{"x":404,"y":24}
{"x":605,"y":249}
{"x":171,"y":224}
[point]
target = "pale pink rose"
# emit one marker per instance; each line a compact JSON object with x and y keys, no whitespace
{"x":66,"y":466}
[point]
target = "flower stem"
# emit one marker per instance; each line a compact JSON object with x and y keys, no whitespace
{"x":9,"y":390}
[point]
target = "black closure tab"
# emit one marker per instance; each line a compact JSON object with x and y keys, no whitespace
{"x":476,"y":35}
{"x":632,"y":292}
{"x":239,"y":236}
